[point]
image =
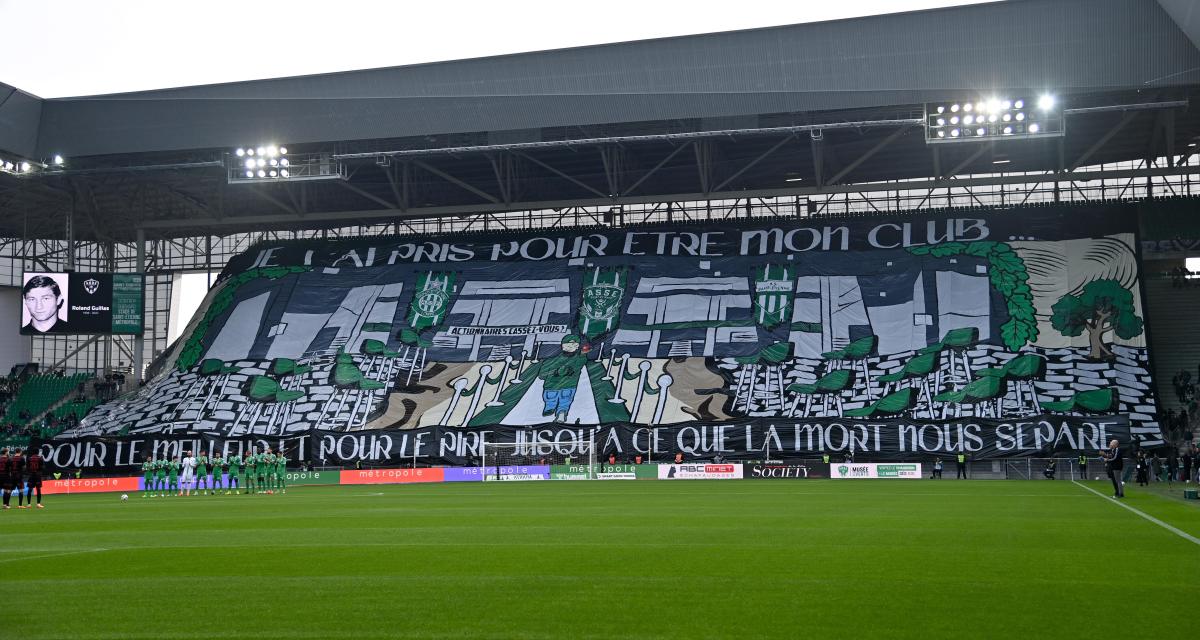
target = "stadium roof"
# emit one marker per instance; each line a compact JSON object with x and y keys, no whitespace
{"x":879,"y":69}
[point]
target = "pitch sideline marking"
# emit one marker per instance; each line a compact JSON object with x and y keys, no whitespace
{"x":1182,"y":534}
{"x":52,"y":555}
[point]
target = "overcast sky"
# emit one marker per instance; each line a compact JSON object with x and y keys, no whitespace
{"x":56,"y":48}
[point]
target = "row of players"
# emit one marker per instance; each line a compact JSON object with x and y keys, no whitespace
{"x":264,"y":472}
{"x":21,"y":475}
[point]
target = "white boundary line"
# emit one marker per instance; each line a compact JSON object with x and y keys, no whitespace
{"x":1182,"y":534}
{"x":53,"y":555}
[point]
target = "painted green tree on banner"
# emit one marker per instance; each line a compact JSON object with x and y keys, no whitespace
{"x":1102,"y":306}
{"x":600,"y":307}
{"x":431,"y":300}
{"x":773,"y":291}
{"x":1008,"y":275}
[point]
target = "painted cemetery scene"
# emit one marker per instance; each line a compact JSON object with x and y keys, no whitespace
{"x":654,"y":328}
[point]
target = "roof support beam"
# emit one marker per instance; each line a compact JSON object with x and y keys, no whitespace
{"x":704,"y":150}
{"x":658,"y":166}
{"x":817,"y":143}
{"x":459,"y":183}
{"x":369,"y":196}
{"x":968,"y":160}
{"x":1097,"y":145}
{"x":560,"y":174}
{"x":867,"y":154}
{"x":902,"y":185}
{"x":753,"y":162}
{"x":272,"y":199}
{"x":613,"y":157}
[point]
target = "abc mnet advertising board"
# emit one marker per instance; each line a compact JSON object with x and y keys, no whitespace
{"x":82,"y":303}
{"x":699,"y":471}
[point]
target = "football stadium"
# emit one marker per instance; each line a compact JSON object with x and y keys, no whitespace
{"x":882,"y":326}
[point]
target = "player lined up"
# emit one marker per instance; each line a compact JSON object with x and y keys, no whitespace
{"x":21,"y":474}
{"x":263,"y":472}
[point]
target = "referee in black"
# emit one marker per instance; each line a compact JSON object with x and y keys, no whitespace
{"x":1114,"y":464}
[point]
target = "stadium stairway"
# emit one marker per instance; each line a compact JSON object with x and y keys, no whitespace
{"x":1174,"y":333}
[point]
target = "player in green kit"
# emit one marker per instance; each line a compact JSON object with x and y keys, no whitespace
{"x":173,"y":476}
{"x":266,"y":471}
{"x":202,"y":473}
{"x":236,"y":468}
{"x":147,"y":477}
{"x":160,"y":477}
{"x":251,"y":460}
{"x":218,"y":464}
{"x":281,"y":472}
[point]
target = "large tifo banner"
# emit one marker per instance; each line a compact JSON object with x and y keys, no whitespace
{"x":378,"y":453}
{"x":1017,"y":316}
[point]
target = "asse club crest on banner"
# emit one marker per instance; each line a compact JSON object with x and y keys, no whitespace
{"x":773,"y":291}
{"x":600,"y":309}
{"x":431,"y":300}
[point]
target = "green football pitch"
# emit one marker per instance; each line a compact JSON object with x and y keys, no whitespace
{"x":696,"y":559}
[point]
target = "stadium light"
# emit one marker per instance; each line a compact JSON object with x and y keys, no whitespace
{"x":58,"y":160}
{"x":271,"y":162}
{"x":992,"y":117}
{"x":18,"y":167}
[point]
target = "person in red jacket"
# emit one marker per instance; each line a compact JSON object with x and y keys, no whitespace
{"x":34,"y":464}
{"x":6,"y":483}
{"x":16,"y":473}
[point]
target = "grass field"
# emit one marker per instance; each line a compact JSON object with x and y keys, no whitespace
{"x":697,"y":559}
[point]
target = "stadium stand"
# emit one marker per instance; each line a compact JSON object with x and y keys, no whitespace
{"x":37,"y":395}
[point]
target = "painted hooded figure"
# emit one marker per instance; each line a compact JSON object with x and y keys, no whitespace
{"x":560,"y":377}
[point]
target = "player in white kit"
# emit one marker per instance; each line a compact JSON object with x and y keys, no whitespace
{"x":188,"y":481}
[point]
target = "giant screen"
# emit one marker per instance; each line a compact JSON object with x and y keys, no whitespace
{"x":81,"y":303}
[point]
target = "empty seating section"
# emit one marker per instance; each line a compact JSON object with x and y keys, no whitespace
{"x":37,"y":394}
{"x":76,"y":409}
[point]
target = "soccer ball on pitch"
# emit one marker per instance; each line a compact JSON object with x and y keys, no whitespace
{"x":124,"y":497}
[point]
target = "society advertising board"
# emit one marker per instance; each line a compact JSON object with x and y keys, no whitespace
{"x":875,"y":470}
{"x":782,"y":471}
{"x":81,"y":303}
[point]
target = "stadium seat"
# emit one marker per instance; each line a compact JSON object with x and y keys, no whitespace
{"x":347,"y":375}
{"x":983,"y":390}
{"x":857,"y":351}
{"x":264,"y":389}
{"x":1024,"y":370}
{"x":892,"y":404}
{"x":1094,"y":401}
{"x":832,"y":383}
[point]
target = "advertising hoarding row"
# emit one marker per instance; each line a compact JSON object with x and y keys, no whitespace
{"x":695,"y":471}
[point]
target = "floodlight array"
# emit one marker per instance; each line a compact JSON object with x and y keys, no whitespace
{"x":993,"y":118}
{"x":276,"y":163}
{"x":263,"y":162}
{"x":19,"y":167}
